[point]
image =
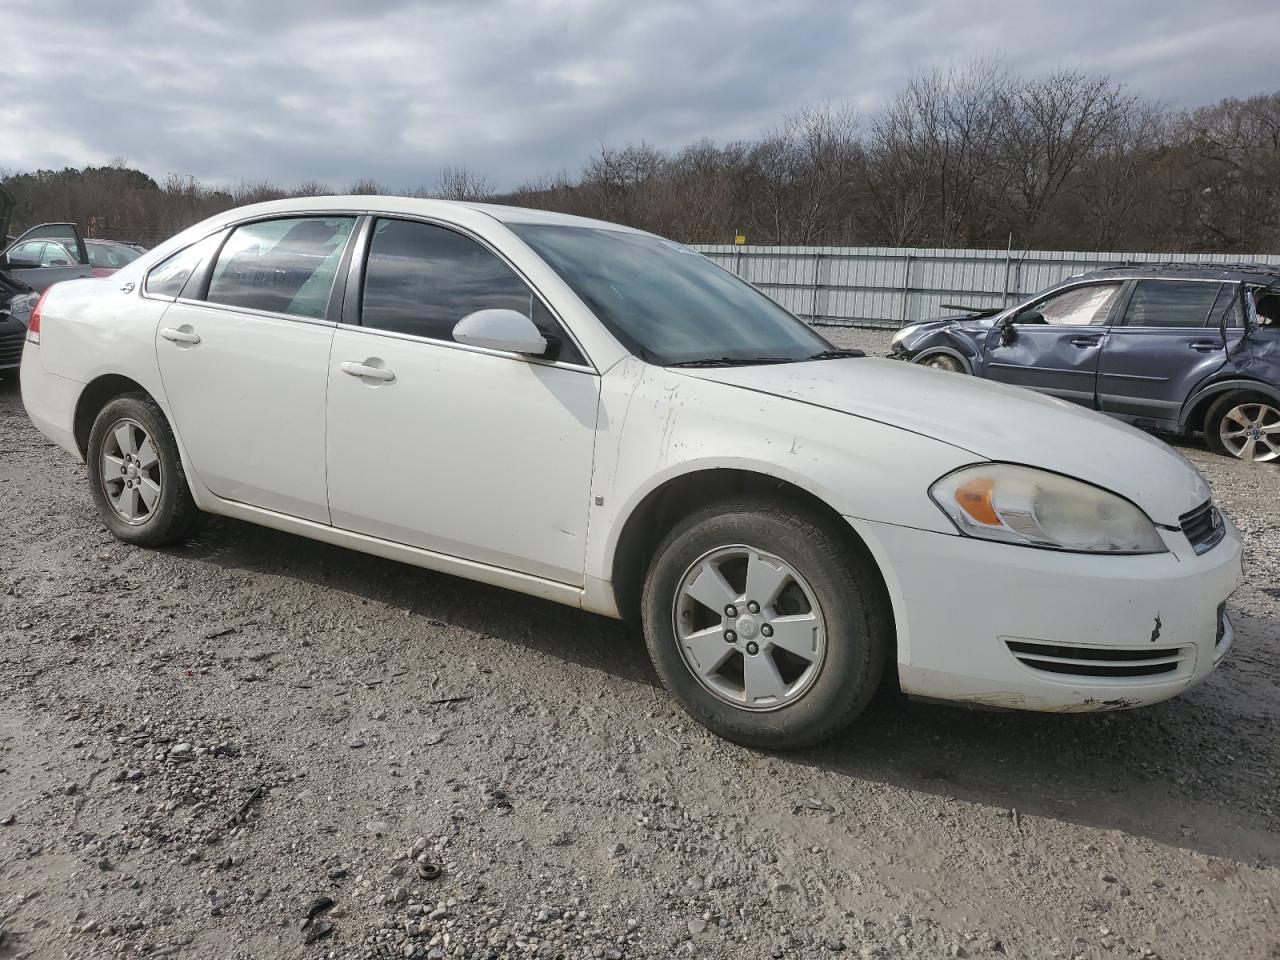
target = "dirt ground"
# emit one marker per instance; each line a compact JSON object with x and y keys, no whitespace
{"x":199,"y":745}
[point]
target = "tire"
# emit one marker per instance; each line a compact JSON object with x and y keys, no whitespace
{"x":942,"y":361}
{"x":146,"y":481}
{"x":1235,"y":419}
{"x":854,"y":627}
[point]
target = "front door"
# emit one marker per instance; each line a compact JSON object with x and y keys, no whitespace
{"x":245,"y":363}
{"x":1053,"y":344}
{"x":468,"y":452}
{"x":1168,"y":340}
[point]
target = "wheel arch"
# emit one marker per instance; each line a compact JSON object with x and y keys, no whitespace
{"x":949,"y":351}
{"x":1197,"y":407}
{"x":97,"y":394}
{"x":676,"y":497}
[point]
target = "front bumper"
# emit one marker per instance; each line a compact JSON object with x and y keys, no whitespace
{"x":13,"y":334}
{"x":1006,"y":626}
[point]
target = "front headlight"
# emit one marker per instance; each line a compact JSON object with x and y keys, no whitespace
{"x":1035,"y":508}
{"x":903,"y":334}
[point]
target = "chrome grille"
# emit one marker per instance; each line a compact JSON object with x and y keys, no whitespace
{"x":1097,"y":661}
{"x":1203,"y":527}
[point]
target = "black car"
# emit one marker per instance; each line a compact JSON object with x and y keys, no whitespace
{"x":1179,"y":348}
{"x":30,"y":264}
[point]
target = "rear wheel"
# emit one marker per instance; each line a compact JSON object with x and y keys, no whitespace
{"x":942,"y":361}
{"x":136,"y":476}
{"x":1245,"y":426}
{"x":769,"y":630}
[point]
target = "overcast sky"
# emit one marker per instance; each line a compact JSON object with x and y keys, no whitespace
{"x":293,"y":90}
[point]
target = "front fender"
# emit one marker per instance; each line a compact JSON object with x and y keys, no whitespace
{"x":667,"y":425}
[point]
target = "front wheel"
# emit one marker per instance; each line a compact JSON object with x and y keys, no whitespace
{"x":136,"y":476}
{"x":1244,"y":426}
{"x":769,"y":629}
{"x":942,"y":361}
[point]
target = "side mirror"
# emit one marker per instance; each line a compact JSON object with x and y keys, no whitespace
{"x":500,"y":329}
{"x":1008,"y":333}
{"x":19,"y":263}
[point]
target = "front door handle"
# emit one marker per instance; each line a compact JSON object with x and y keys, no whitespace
{"x":1085,"y":341}
{"x":1205,"y":346}
{"x":357,"y":369}
{"x":180,"y":336}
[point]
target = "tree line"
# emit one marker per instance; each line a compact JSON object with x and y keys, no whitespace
{"x":971,"y":155}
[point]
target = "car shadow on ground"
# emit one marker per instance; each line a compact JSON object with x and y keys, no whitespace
{"x":1143,"y":772}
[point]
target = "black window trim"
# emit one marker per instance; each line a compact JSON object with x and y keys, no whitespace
{"x":350,"y":315}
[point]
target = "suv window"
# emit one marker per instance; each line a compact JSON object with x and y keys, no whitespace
{"x":281,"y":266}
{"x":1170,"y":303}
{"x":1080,"y":306}
{"x":170,"y":275}
{"x":422,"y":279}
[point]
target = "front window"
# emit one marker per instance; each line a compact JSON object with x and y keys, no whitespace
{"x":666,"y":303}
{"x":1084,"y":306}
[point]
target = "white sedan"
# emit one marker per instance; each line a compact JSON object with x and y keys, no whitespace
{"x":603,"y":418}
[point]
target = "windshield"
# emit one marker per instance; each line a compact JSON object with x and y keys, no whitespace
{"x":666,"y":303}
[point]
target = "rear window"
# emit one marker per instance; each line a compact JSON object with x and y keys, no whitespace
{"x":168,"y":277}
{"x":1170,"y":303}
{"x":281,"y":266}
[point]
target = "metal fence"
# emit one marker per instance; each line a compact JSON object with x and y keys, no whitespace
{"x":894,"y":286}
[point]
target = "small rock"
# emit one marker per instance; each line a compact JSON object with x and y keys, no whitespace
{"x":9,"y":820}
{"x":1107,"y":877}
{"x":697,"y":926}
{"x":356,"y":744}
{"x":617,"y":850}
{"x":336,"y":873}
{"x":376,"y":826}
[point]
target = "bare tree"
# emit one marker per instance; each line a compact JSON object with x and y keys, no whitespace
{"x":459,"y":183}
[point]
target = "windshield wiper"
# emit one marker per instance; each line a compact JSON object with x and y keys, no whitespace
{"x":836,"y":354}
{"x":730,"y":361}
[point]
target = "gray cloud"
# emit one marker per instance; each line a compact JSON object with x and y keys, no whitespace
{"x":390,"y":89}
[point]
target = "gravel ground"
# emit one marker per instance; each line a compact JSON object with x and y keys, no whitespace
{"x":200,"y":747}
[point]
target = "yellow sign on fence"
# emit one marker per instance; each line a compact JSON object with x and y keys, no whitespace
{"x":740,"y":239}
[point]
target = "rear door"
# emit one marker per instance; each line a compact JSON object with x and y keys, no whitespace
{"x":1055,"y":342}
{"x":245,"y":361}
{"x":1167,"y":340}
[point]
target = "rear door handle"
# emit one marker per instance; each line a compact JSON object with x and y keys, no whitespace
{"x":1205,"y":346}
{"x":180,"y":336}
{"x":1085,"y":341}
{"x":364,"y":370}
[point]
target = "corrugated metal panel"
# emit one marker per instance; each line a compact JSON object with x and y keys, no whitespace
{"x":891,"y":286}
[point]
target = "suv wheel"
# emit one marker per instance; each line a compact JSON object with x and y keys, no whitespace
{"x":942,"y":361}
{"x":136,"y":476}
{"x":769,"y":630}
{"x":1244,"y":426}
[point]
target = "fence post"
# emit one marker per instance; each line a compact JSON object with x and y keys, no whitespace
{"x":817,"y":269}
{"x":1008,"y":257}
{"x":736,"y":272}
{"x":906,"y":288}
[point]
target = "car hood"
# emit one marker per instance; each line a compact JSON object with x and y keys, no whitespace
{"x":990,"y":420}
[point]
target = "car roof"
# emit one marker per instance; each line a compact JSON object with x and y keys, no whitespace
{"x":413,"y":206}
{"x":1262,"y":273}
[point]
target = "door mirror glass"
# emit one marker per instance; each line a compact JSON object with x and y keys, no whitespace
{"x":19,"y":262}
{"x":501,"y":329}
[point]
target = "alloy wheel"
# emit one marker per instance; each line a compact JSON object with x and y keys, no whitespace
{"x":943,"y":362}
{"x":749,"y":628}
{"x":1251,"y":431}
{"x":131,"y":475}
